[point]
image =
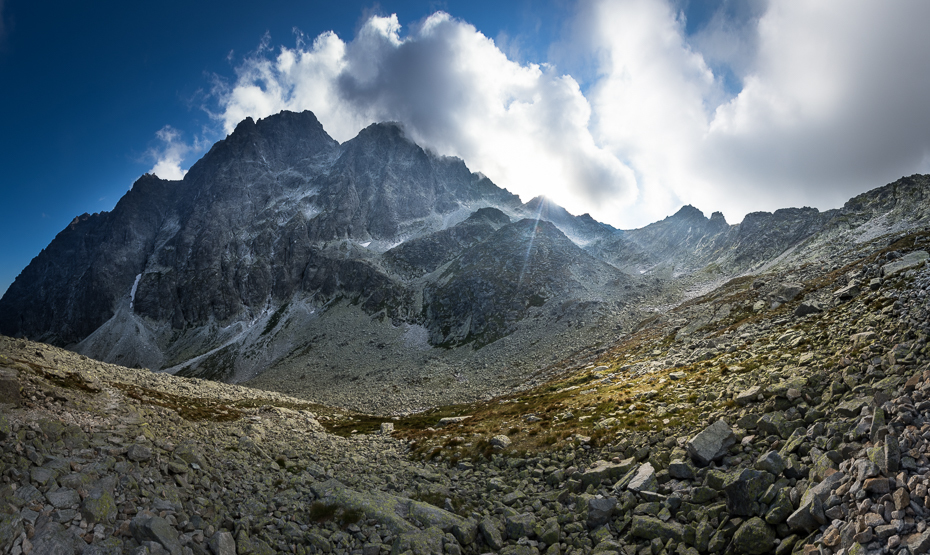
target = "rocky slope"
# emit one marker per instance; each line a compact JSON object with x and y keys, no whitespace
{"x":786,"y":412}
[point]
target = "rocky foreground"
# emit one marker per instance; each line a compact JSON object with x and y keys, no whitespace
{"x":781,"y":413}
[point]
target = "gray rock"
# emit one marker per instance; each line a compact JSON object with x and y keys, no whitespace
{"x":11,"y":526}
{"x":600,"y":511}
{"x":771,"y":462}
{"x":806,"y":308}
{"x":603,"y":470}
{"x":754,"y":537}
{"x":449,"y":420}
{"x":711,"y":443}
{"x":500,"y":442}
{"x":99,"y":507}
{"x":9,"y":393}
{"x":848,"y":292}
{"x":650,"y":528}
{"x":788,"y":291}
{"x":749,"y":395}
{"x":222,"y":543}
{"x":743,"y":489}
{"x":644,"y":479}
{"x":146,"y":527}
{"x":419,"y":542}
{"x":465,"y":531}
{"x":680,"y":470}
{"x":906,"y":262}
{"x":63,"y":498}
{"x":139,"y":453}
{"x":491,"y":533}
{"x":521,"y":526}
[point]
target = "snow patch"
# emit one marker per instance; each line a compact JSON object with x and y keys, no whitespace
{"x":366,"y":243}
{"x":132,"y":292}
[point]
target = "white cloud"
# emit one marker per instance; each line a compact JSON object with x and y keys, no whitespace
{"x":832,"y":101}
{"x":770,"y":104}
{"x":170,"y":154}
{"x":524,"y":126}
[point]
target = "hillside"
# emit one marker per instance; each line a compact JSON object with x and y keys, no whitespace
{"x":784,"y":412}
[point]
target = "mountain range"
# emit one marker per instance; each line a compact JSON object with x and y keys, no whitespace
{"x":303,"y":264}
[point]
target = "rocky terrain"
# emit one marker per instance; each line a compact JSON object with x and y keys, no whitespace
{"x":786,"y":411}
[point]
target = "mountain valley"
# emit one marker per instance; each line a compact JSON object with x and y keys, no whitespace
{"x":314,"y":347}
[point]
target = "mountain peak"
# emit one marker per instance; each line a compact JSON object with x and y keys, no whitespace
{"x":688,"y":212}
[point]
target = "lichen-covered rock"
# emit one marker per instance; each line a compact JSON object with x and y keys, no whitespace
{"x":754,"y":537}
{"x":419,"y":542}
{"x":11,"y":526}
{"x":770,"y":462}
{"x":650,"y":528}
{"x":147,"y":527}
{"x":521,"y":526}
{"x":491,"y":533}
{"x":600,"y":510}
{"x":99,"y":507}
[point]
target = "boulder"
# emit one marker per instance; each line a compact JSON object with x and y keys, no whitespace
{"x":711,"y":443}
{"x":139,"y":453}
{"x":418,"y":542}
{"x":500,"y":442}
{"x":743,"y":489}
{"x":848,"y":292}
{"x":650,"y":528}
{"x":600,"y":511}
{"x":222,"y":543}
{"x":147,"y":527}
{"x":521,"y":526}
{"x":788,"y":291}
{"x":604,"y":470}
{"x":806,"y":308}
{"x":491,"y":533}
{"x":644,"y":479}
{"x":9,"y":388}
{"x":906,"y":262}
{"x":754,"y":537}
{"x":770,"y":462}
{"x":749,"y":395}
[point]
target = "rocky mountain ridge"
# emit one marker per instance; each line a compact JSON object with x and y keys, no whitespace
{"x":281,"y":248}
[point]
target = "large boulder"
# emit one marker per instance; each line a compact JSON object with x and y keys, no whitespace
{"x":603,"y":470}
{"x":908,"y":261}
{"x":754,"y":537}
{"x":711,"y":443}
{"x":650,"y":528}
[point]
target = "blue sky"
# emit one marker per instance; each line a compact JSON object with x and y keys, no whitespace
{"x":635,"y":107}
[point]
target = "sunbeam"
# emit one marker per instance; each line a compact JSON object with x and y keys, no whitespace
{"x":526,"y":259}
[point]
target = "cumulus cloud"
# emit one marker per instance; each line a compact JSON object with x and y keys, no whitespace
{"x":767,"y":105}
{"x":524,"y":126}
{"x":830,"y":101}
{"x":169,"y":154}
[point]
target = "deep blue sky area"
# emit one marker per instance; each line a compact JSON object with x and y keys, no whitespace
{"x":85,"y":87}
